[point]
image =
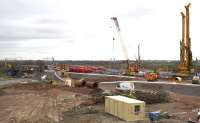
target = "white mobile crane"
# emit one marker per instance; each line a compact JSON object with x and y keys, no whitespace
{"x":130,"y":68}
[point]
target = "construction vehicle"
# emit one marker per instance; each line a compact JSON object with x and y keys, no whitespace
{"x":151,"y":75}
{"x":185,"y":45}
{"x":10,"y":70}
{"x":131,"y":69}
{"x":125,"y":86}
{"x":196,"y":79}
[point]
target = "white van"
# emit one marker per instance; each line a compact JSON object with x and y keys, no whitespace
{"x":125,"y":86}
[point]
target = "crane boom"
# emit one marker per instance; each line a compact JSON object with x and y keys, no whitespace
{"x":116,"y":23}
{"x":127,"y":72}
{"x":131,"y":69}
{"x":120,"y":37}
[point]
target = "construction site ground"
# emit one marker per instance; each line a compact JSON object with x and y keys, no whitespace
{"x":44,"y":103}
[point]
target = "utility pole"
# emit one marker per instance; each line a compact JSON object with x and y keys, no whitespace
{"x":139,"y":56}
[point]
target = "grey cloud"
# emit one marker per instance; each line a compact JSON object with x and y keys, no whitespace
{"x":24,"y":33}
{"x":33,"y":30}
{"x":21,"y":21}
{"x":35,"y":14}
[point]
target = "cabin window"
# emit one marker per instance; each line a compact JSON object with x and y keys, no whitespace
{"x":137,"y":108}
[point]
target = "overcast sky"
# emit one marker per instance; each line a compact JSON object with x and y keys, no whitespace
{"x":82,"y":29}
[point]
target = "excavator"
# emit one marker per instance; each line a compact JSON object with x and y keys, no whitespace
{"x":151,"y":75}
{"x":131,"y":69}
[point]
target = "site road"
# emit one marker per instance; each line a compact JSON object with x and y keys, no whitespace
{"x":185,"y":88}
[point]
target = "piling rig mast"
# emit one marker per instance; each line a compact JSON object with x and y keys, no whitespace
{"x":185,"y":45}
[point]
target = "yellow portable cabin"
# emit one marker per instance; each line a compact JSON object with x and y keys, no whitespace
{"x":125,"y":108}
